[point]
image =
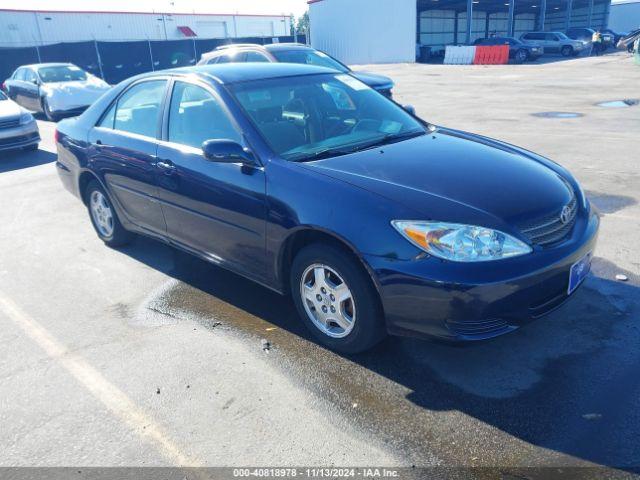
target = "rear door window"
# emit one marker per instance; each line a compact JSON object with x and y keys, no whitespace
{"x":30,"y":76}
{"x":138,"y":109}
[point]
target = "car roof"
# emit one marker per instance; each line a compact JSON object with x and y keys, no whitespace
{"x":287,"y":46}
{"x":224,"y":49}
{"x":240,"y":72}
{"x":43,"y":65}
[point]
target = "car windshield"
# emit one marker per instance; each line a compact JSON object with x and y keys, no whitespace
{"x":2,"y":96}
{"x":63,"y":73}
{"x":308,"y":57}
{"x":315,"y":116}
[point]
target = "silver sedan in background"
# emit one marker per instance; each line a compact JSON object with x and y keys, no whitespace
{"x":55,"y":89}
{"x":18,"y":128}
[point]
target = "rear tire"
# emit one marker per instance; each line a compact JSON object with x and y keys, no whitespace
{"x":104,"y":217}
{"x":566,"y":51}
{"x":327,"y":279}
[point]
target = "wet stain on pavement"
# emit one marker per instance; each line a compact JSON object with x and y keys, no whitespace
{"x":627,"y":102}
{"x":517,"y":400}
{"x":557,"y":114}
{"x":607,"y":204}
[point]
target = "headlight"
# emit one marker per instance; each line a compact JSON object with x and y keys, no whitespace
{"x":461,"y":243}
{"x":25,"y":118}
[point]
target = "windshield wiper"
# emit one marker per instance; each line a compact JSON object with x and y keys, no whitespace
{"x":391,"y":138}
{"x":320,"y":154}
{"x":335,"y":152}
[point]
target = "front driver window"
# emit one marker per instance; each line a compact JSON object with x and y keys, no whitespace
{"x":138,"y":108}
{"x":196,"y":116}
{"x":255,"y":57}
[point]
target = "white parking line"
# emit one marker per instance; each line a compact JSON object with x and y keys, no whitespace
{"x":107,"y":393}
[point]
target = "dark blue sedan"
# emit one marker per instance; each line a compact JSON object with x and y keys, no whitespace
{"x":310,"y":183}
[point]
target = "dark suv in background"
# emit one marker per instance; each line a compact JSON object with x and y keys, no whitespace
{"x":292,"y":53}
{"x":518,"y":51}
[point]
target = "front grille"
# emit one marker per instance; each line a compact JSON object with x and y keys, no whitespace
{"x":549,"y":304}
{"x":10,"y":123}
{"x":7,"y":142}
{"x":479,"y":328}
{"x":550,"y":228}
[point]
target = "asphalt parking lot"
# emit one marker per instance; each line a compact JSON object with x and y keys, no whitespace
{"x":147,"y":356}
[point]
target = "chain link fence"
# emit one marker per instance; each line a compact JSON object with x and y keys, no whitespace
{"x":116,"y":61}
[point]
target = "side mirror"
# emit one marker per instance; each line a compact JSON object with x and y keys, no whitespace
{"x":227,"y":151}
{"x":34,"y":81}
{"x":409,"y":109}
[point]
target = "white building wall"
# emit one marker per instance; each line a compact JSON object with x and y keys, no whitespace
{"x":624,"y":17}
{"x":365,"y":31}
{"x":38,"y":28}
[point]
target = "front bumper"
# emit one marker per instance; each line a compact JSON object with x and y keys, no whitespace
{"x":475,"y":301}
{"x":69,"y":111}
{"x":65,"y":102}
{"x":19,"y":137}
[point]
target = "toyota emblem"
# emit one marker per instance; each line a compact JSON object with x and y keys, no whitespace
{"x":565,"y":214}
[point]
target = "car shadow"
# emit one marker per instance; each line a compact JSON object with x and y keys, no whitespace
{"x":554,"y":58}
{"x":19,"y":159}
{"x":566,"y":384}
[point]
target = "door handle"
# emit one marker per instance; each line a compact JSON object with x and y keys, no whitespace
{"x":166,"y":166}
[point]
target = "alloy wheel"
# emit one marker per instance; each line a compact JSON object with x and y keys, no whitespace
{"x":327,"y":300}
{"x":102,"y":214}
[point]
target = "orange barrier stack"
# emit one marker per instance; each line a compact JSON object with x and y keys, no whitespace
{"x":503,"y":51}
{"x":481,"y":55}
{"x":491,"y":55}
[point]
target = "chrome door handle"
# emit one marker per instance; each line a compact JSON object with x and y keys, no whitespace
{"x":166,"y":166}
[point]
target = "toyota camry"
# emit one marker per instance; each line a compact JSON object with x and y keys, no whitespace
{"x":312,"y":184}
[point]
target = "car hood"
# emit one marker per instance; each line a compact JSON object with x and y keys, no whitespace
{"x":73,"y":88}
{"x":373,"y":80}
{"x":67,"y":95}
{"x":9,"y":109}
{"x":453,"y":176}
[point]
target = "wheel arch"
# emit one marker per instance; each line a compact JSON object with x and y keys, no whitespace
{"x":307,"y":235}
{"x":85,"y":177}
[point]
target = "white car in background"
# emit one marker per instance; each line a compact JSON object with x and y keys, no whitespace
{"x":18,"y":128}
{"x":55,"y":89}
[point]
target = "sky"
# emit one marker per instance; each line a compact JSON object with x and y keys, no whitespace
{"x":297,"y":7}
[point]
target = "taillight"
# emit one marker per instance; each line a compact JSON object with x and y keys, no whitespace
{"x":3,"y":87}
{"x":56,"y":136}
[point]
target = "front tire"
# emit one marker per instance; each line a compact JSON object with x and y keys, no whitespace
{"x":566,"y":51}
{"x":521,"y":56}
{"x":336,"y":299}
{"x":104,"y":218}
{"x":47,"y":111}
